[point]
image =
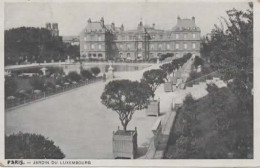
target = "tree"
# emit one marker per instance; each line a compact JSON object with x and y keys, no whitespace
{"x":198,"y":61}
{"x":86,"y":74}
{"x":10,"y":86}
{"x":125,"y":97}
{"x":95,"y":70}
{"x":164,"y":56}
{"x":37,"y":83}
{"x":35,"y":44}
{"x":153,"y":78}
{"x":31,"y":146}
{"x":167,"y":69}
{"x":74,"y":76}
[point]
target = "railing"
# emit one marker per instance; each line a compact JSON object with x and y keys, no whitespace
{"x":37,"y":96}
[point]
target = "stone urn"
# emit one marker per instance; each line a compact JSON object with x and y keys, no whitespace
{"x":125,"y":143}
{"x":153,"y":108}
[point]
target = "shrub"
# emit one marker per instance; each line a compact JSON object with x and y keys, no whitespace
{"x":74,"y":76}
{"x":10,"y":86}
{"x":37,"y":83}
{"x":95,"y":70}
{"x":31,"y":146}
{"x":86,"y":74}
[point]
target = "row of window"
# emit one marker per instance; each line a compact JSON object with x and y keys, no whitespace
{"x":177,"y":46}
{"x":94,"y":55}
{"x":140,"y":46}
{"x":160,"y":46}
{"x":132,"y":37}
{"x":93,"y":47}
{"x":160,"y":36}
{"x":93,"y":37}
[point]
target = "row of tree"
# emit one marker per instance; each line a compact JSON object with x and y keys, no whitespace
{"x":174,"y":64}
{"x":35,"y":45}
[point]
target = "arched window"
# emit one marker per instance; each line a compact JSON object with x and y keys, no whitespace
{"x":99,"y":55}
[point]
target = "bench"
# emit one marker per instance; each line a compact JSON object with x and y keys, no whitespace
{"x":157,"y":126}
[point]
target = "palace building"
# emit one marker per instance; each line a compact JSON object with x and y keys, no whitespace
{"x":101,"y":41}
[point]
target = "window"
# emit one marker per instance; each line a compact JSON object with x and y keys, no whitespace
{"x":99,"y":55}
{"x":153,"y":36}
{"x":121,"y":46}
{"x":193,"y":45}
{"x":139,"y":37}
{"x":92,"y":46}
{"x":152,"y":47}
{"x":85,"y":46}
{"x":94,"y":55}
{"x":123,"y":37}
{"x":161,"y":36}
{"x":160,"y":46}
{"x":140,"y":46}
{"x":121,"y":55}
{"x":99,"y":38}
{"x":194,"y":35}
{"x":128,"y":46}
{"x":185,"y":36}
{"x":99,"y":46}
{"x":168,"y":46}
{"x":177,"y":36}
{"x":177,"y":46}
{"x":89,"y":55}
{"x":128,"y":55}
{"x":185,"y":46}
{"x":85,"y":38}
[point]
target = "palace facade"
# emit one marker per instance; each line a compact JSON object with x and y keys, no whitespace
{"x":101,"y":41}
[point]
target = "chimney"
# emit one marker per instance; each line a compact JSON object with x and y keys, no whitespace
{"x":102,"y":21}
{"x":153,"y":25}
{"x":113,"y":25}
{"x":193,"y":19}
{"x":48,"y":26}
{"x":122,"y":27}
{"x":55,"y":26}
{"x":178,"y":19}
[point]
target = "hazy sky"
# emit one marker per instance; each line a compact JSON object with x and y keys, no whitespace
{"x":72,"y":17}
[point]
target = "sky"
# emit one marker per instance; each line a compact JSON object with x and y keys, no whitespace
{"x":72,"y":17}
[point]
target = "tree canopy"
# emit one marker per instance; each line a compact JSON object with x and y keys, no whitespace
{"x":230,"y":51}
{"x":153,"y":78}
{"x":35,"y":44}
{"x":95,"y":70}
{"x":31,"y":146}
{"x":125,"y":97}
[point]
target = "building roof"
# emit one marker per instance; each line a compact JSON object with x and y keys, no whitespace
{"x":94,"y":26}
{"x":186,"y":24}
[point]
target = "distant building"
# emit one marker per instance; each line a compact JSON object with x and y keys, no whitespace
{"x":54,"y":29}
{"x":72,"y":40}
{"x":100,"y":41}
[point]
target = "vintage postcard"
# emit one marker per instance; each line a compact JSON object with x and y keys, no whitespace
{"x":129,"y":83}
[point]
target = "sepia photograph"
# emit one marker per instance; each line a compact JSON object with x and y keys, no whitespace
{"x":128,"y":80}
